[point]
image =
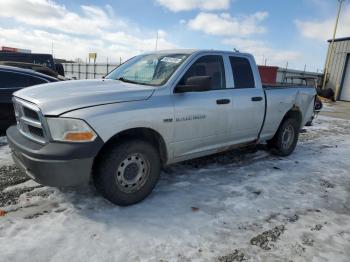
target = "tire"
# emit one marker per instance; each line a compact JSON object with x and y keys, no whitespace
{"x":286,"y":138}
{"x":127,"y":173}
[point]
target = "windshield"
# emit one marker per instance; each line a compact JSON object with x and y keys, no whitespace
{"x":151,"y":69}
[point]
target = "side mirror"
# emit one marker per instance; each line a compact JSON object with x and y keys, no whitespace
{"x":195,"y":84}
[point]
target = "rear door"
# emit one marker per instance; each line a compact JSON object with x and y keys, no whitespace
{"x":248,"y":99}
{"x":201,"y":118}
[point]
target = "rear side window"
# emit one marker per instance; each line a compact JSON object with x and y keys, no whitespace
{"x":15,"y":80}
{"x":210,"y":65}
{"x":242,"y":72}
{"x":32,"y":80}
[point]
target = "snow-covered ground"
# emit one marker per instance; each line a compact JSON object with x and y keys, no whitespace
{"x":237,"y":206}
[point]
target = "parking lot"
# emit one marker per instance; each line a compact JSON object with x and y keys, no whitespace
{"x":339,"y":109}
{"x":243,"y":205}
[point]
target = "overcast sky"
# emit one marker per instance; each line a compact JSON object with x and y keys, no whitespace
{"x":278,"y":30}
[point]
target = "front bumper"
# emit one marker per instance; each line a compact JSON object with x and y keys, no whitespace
{"x":55,"y":163}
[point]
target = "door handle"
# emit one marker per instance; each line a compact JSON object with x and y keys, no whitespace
{"x":256,"y":98}
{"x":223,"y":101}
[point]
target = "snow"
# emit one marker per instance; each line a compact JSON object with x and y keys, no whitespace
{"x":5,"y":158}
{"x":327,"y":107}
{"x":200,"y":210}
{"x":27,"y":184}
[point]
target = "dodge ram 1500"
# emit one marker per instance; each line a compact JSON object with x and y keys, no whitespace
{"x":155,"y":109}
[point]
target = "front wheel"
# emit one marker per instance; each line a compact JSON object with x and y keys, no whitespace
{"x":127,"y":172}
{"x":286,"y":138}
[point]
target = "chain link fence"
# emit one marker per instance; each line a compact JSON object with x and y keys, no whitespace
{"x":87,"y":71}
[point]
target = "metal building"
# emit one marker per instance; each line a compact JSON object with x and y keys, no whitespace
{"x":339,"y":68}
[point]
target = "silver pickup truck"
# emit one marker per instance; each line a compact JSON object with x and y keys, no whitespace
{"x":155,"y":109}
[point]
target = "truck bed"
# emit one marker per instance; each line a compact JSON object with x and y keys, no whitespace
{"x":280,"y":99}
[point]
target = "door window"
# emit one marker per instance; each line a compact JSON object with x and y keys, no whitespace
{"x":242,"y":72}
{"x":14,"y":80}
{"x":210,"y":65}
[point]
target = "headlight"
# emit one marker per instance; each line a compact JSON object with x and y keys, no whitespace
{"x":70,"y":130}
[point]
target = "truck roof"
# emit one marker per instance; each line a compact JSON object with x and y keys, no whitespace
{"x":192,"y":51}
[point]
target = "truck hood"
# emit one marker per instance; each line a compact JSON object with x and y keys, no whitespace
{"x":60,"y":97}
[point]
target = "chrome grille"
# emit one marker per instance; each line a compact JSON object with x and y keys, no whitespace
{"x":31,"y":114}
{"x":29,"y":120}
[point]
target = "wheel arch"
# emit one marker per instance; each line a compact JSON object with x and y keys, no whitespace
{"x":294,"y":113}
{"x":143,"y":133}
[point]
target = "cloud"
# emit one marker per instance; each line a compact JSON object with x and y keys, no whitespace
{"x":65,"y":46}
{"x":226,"y":25}
{"x":131,"y":42}
{"x":74,"y":34}
{"x":112,"y":45}
{"x":323,"y":29}
{"x":187,"y":5}
{"x":261,"y":50}
{"x":237,"y":33}
{"x":39,"y":23}
{"x":48,"y":14}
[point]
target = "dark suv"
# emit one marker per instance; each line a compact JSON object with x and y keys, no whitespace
{"x":11,"y":80}
{"x":45,"y":60}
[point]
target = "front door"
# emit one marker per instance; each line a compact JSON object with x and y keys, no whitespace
{"x":201,"y":117}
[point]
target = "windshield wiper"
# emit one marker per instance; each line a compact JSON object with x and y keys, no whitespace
{"x":127,"y":80}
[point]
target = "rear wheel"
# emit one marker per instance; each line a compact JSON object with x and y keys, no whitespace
{"x":286,"y":138}
{"x":128,"y":172}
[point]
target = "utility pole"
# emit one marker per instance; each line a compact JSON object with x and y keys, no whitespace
{"x":285,"y":73}
{"x":330,"y":53}
{"x":52,"y":48}
{"x":157,"y":41}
